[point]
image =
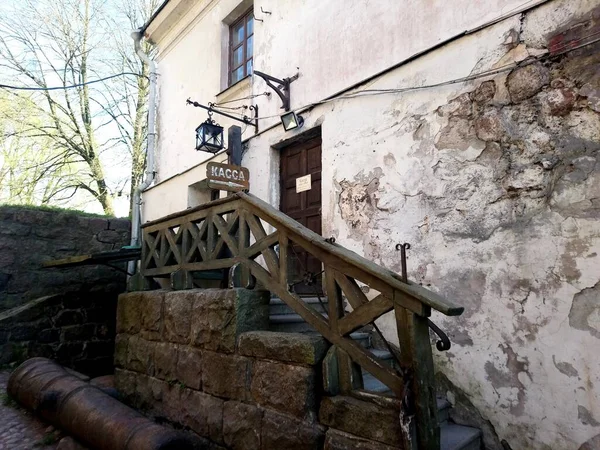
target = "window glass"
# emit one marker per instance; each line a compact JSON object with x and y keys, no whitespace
{"x":238,"y":33}
{"x":237,"y":74}
{"x":238,"y":56}
{"x":241,"y":48}
{"x":250,"y":25}
{"x":249,"y":46}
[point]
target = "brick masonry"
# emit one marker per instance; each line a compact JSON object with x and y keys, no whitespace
{"x":202,"y":360}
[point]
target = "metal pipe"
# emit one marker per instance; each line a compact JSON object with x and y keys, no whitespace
{"x":136,"y":213}
{"x":86,"y":412}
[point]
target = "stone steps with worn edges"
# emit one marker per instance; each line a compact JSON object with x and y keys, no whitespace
{"x":453,"y":436}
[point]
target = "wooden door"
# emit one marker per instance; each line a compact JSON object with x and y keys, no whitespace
{"x":299,"y":161}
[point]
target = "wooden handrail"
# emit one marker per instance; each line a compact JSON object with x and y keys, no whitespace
{"x":412,"y":289}
{"x":218,"y":235}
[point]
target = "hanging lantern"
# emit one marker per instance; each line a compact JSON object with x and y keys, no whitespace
{"x":209,"y":136}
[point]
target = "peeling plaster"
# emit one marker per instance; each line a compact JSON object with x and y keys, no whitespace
{"x":585,"y":416}
{"x":585,"y":311}
{"x":565,"y":368}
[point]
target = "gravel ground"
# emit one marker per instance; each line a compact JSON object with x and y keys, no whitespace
{"x":19,"y":429}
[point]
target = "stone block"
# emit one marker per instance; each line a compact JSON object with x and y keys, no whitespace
{"x":125,"y":383}
{"x":225,"y":375}
{"x":152,"y":313}
{"x":178,"y":315}
{"x":189,"y":367}
{"x":79,"y":332}
{"x":165,"y":361}
{"x":68,"y":317}
{"x":285,"y":347}
{"x":242,"y":426}
{"x":280,"y":431}
{"x":286,"y":388}
{"x":121,"y":344}
{"x":140,"y":355}
{"x":172,"y":405}
{"x":203,"y":413}
{"x":69,"y":351}
{"x":143,"y":394}
{"x":155,"y":390}
{"x":338,"y":440}
{"x":129,"y":313}
{"x":526,"y":81}
{"x":363,"y":419}
{"x":220,"y":315}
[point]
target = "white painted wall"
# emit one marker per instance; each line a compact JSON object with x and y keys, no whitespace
{"x":520,"y":264}
{"x":335,"y":44}
{"x":529,"y":369}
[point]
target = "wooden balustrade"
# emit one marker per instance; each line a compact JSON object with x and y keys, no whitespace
{"x":230,"y":231}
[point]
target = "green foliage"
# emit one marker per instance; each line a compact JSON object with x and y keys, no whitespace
{"x":53,"y":209}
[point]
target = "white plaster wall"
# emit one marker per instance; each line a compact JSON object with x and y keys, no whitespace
{"x":172,"y":195}
{"x":334,"y":43}
{"x":190,"y":66}
{"x":517,"y":265}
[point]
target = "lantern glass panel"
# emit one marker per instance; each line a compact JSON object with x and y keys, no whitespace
{"x":209,"y":137}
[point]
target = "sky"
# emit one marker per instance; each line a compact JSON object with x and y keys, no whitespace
{"x":110,"y":28}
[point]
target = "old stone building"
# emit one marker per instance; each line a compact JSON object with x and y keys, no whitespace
{"x":469,"y":129}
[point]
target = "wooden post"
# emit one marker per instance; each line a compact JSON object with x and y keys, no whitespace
{"x":234,"y":145}
{"x":416,"y":355}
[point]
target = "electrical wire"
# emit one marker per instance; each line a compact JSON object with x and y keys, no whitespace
{"x":372,"y":92}
{"x":58,"y":88}
{"x":249,"y":97}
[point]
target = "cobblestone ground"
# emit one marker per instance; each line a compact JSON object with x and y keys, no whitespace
{"x":19,"y":429}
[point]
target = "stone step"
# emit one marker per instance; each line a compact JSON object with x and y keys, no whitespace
{"x":444,"y":407}
{"x":459,"y":437}
{"x":278,"y":306}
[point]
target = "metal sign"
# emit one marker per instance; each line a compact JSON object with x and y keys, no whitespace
{"x":227,"y":177}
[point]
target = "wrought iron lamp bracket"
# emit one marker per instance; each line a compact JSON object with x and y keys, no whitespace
{"x":282,"y":89}
{"x":252,"y":121}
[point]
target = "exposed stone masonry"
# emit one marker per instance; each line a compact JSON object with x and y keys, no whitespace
{"x":199,"y":360}
{"x":30,"y":236}
{"x":495,"y":183}
{"x":64,"y":314}
{"x":76,"y":331}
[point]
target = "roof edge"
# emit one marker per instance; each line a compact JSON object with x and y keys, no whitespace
{"x":153,"y":17}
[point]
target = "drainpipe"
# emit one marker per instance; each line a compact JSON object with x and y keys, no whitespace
{"x":136,"y":214}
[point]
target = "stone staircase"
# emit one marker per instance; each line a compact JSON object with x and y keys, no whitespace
{"x":453,"y":436}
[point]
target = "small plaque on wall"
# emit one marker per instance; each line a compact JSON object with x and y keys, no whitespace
{"x":303,"y":183}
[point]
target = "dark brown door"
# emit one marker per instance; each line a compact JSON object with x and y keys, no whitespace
{"x":299,"y":161}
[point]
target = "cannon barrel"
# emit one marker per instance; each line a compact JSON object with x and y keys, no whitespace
{"x":86,"y":412}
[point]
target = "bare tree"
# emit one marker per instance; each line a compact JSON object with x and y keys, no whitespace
{"x":94,"y":129}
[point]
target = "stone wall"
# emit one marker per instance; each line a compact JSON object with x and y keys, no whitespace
{"x":65,"y":314}
{"x":198,"y":359}
{"x":76,"y":331}
{"x":31,"y":236}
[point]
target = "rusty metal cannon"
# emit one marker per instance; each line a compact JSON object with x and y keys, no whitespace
{"x":86,"y":412}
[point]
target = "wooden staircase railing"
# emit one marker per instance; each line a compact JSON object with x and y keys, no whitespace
{"x":231,"y":231}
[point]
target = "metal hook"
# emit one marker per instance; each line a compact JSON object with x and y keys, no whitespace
{"x":264,"y":12}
